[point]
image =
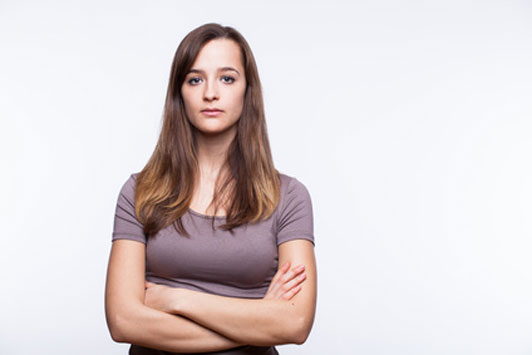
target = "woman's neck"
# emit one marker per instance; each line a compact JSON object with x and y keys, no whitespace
{"x":212,"y":152}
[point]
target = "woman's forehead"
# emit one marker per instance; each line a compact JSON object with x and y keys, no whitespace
{"x":218,"y":54}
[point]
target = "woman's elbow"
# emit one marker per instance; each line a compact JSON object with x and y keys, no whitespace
{"x":116,"y":324}
{"x":116,"y":335}
{"x":300,"y":330}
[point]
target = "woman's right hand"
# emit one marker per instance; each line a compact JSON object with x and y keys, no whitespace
{"x":286,"y":283}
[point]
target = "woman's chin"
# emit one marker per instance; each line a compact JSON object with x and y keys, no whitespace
{"x":213,"y":130}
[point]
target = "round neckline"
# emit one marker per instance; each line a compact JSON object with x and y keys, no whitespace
{"x":191,"y":211}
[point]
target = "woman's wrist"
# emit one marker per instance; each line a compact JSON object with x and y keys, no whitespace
{"x":180,"y":300}
{"x":177,"y":296}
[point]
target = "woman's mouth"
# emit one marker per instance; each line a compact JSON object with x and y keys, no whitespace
{"x":211,"y":112}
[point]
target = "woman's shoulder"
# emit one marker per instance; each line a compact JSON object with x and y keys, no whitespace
{"x":294,"y":196}
{"x":133,"y":176}
{"x":294,"y":213}
{"x":291,"y":185}
{"x":132,"y":179}
{"x":129,"y":185}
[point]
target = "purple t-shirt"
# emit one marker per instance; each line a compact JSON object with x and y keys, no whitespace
{"x":241,"y":264}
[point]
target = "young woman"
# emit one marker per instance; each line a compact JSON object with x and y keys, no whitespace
{"x":213,"y":248}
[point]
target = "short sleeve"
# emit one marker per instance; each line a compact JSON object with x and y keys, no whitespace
{"x":295,"y":216}
{"x":126,"y":224}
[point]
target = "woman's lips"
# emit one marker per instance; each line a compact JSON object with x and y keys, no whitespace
{"x":211,"y":113}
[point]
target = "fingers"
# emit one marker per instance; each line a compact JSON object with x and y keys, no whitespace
{"x":292,"y":273}
{"x":274,"y":283}
{"x":288,"y":295}
{"x":286,"y":281}
{"x":281,"y":271}
{"x":294,"y":283}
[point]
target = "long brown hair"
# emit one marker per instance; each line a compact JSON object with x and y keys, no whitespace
{"x":165,"y":186}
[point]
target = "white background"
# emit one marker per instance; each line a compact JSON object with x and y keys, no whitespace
{"x":409,"y":122}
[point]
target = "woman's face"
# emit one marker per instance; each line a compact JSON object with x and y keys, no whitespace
{"x":214,"y":88}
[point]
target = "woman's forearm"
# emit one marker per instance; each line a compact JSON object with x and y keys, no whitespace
{"x":144,"y":326}
{"x":260,"y":322}
{"x":272,"y":320}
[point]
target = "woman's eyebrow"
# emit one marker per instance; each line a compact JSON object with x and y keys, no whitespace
{"x":219,"y":69}
{"x":229,"y":69}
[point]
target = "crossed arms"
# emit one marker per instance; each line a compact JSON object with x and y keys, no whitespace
{"x":180,"y":320}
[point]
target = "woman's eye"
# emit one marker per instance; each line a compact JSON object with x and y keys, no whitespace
{"x":228,"y":79}
{"x":194,"y":81}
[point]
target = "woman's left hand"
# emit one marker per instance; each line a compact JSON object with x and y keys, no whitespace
{"x":160,"y":297}
{"x":286,"y":283}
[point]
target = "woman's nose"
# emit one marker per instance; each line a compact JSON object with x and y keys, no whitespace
{"x":211,"y":91}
